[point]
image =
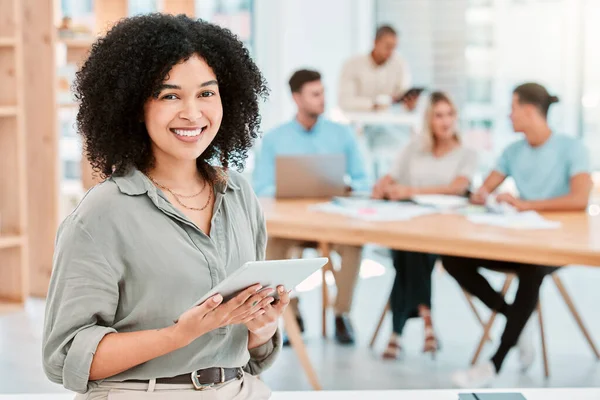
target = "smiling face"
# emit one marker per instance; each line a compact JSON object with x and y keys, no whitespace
{"x":184,"y":115}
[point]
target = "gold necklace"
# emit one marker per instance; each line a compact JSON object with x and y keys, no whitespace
{"x":176,"y":196}
{"x":189,"y":196}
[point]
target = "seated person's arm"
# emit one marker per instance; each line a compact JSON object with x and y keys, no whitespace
{"x":380,"y":188}
{"x":458,"y":186}
{"x":494,"y":179}
{"x":399,"y":165}
{"x":356,"y":164}
{"x":491,"y":183}
{"x":576,"y":200}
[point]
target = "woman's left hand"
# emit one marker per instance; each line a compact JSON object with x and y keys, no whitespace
{"x":263,"y":324}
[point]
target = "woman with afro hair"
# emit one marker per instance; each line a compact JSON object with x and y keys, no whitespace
{"x":168,"y":105}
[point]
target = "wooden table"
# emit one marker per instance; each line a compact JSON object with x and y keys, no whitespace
{"x":577,"y":241}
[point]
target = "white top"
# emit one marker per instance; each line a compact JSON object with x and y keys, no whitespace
{"x":362,"y":81}
{"x":415,"y":166}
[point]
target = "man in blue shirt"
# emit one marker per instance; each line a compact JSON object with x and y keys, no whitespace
{"x":310,"y":133}
{"x":552,"y":173}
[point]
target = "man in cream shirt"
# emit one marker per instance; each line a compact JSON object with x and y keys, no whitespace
{"x":375,"y":80}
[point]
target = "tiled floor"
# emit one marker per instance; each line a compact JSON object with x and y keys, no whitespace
{"x":571,"y":362}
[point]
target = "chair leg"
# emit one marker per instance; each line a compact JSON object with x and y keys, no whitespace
{"x":376,"y":333}
{"x":324,"y":250}
{"x":293,"y":332}
{"x":474,"y":309}
{"x":488,"y":326}
{"x":565,"y":295}
{"x":486,"y":332}
{"x":543,"y":337}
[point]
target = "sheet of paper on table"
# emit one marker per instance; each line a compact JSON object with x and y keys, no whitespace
{"x":517,"y":220}
{"x":441,"y":201}
{"x":373,"y":210}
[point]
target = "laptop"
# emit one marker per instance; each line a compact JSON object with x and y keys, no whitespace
{"x":310,"y":176}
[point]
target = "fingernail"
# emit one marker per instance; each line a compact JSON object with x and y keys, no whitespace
{"x":217,"y":298}
{"x":258,"y":288}
{"x":281,"y":289}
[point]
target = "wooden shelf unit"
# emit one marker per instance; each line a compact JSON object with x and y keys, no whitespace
{"x":7,"y":42}
{"x":42,"y":147}
{"x":8,"y":111}
{"x":8,"y":241}
{"x":77,"y":48}
{"x":13,"y":180}
{"x":77,"y":42}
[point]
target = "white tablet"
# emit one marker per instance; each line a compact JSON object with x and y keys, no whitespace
{"x":289,"y":273}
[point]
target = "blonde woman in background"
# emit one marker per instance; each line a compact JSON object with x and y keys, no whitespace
{"x":435,"y":162}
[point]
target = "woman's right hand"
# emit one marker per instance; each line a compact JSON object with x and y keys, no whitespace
{"x":380,"y":187}
{"x":214,"y":314}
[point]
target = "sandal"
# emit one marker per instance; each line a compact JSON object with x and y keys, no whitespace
{"x":431,"y":344}
{"x":393,"y":350}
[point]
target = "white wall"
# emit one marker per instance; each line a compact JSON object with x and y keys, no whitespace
{"x":316,"y":34}
{"x":432,"y":40}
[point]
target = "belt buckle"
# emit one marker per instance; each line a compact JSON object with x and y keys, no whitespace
{"x":202,"y":386}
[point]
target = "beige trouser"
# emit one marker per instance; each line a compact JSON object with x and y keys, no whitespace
{"x":248,"y":388}
{"x":346,"y":277}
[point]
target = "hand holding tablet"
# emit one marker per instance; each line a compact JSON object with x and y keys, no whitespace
{"x":256,"y":281}
{"x":288,"y":273}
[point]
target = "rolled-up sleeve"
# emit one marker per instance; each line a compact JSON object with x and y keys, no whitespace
{"x":80,"y":308}
{"x":262,"y":357}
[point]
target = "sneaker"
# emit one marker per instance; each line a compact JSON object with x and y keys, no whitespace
{"x":526,"y":346}
{"x":478,"y":376}
{"x":344,"y":333}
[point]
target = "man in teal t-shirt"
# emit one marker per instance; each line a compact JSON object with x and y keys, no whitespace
{"x":551,"y":173}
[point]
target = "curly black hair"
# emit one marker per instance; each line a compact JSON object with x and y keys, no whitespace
{"x":123,"y":71}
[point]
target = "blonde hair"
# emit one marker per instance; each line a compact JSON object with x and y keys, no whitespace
{"x":428,"y":137}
